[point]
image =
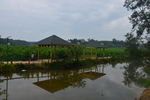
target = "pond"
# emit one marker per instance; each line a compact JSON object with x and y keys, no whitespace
{"x":101,"y":82}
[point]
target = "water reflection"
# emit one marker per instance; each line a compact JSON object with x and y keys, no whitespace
{"x":104,"y":81}
{"x":4,"y":91}
{"x":134,"y":70}
{"x":54,"y":81}
{"x":58,"y":83}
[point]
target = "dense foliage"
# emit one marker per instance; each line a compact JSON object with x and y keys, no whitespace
{"x":58,"y":53}
{"x":140,"y":17}
{"x":132,"y":46}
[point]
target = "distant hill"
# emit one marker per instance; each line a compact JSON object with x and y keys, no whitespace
{"x":110,"y":44}
{"x":15,"y":42}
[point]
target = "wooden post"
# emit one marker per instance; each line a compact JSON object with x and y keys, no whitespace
{"x":103,"y":51}
{"x":84,"y":53}
{"x":96,"y":53}
{"x":55,"y":53}
{"x":103,"y":69}
{"x":91,"y":52}
{"x":51,"y":55}
{"x":29,"y":61}
{"x":48,"y":56}
{"x":38,"y":52}
{"x":7,"y":88}
{"x":37,"y":77}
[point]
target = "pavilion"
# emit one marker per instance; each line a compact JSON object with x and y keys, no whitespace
{"x":52,"y":41}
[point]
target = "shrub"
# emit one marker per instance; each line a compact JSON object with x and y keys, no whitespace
{"x":6,"y":68}
{"x":77,"y":51}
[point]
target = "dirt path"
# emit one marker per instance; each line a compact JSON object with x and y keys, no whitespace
{"x":28,"y":62}
{"x":145,"y":95}
{"x":44,"y":61}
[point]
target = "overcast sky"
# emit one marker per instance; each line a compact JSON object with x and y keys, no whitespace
{"x":34,"y":20}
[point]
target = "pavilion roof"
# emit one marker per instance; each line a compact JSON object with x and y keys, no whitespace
{"x":53,"y":40}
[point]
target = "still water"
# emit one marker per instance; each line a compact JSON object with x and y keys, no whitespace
{"x":101,"y":82}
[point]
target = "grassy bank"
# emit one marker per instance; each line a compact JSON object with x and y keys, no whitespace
{"x":8,"y":68}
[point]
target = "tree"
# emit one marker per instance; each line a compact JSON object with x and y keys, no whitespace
{"x":77,"y":41}
{"x":132,"y":45}
{"x":140,"y":17}
{"x":77,"y":51}
{"x":114,"y":40}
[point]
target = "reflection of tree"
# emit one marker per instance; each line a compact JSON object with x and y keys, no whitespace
{"x":77,"y":81}
{"x":132,"y":72}
{"x":1,"y":90}
{"x":7,"y":75}
{"x":65,"y":80}
{"x":4,"y":91}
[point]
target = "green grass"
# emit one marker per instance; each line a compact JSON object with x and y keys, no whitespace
{"x":144,"y":82}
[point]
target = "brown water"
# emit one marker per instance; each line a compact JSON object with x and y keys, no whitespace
{"x":101,"y":82}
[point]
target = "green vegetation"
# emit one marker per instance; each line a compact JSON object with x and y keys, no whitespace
{"x":5,"y":68}
{"x":62,"y":58}
{"x":140,"y":20}
{"x":24,"y":52}
{"x":144,"y":82}
{"x":138,"y":40}
{"x":140,"y":17}
{"x":17,"y":52}
{"x":147,"y":70}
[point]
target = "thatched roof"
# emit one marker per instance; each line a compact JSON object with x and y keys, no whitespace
{"x":53,"y":40}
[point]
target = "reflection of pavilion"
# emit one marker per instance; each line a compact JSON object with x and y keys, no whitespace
{"x":91,"y":75}
{"x":58,"y":80}
{"x":54,"y":85}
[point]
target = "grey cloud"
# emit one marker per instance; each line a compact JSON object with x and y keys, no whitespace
{"x":66,"y":18}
